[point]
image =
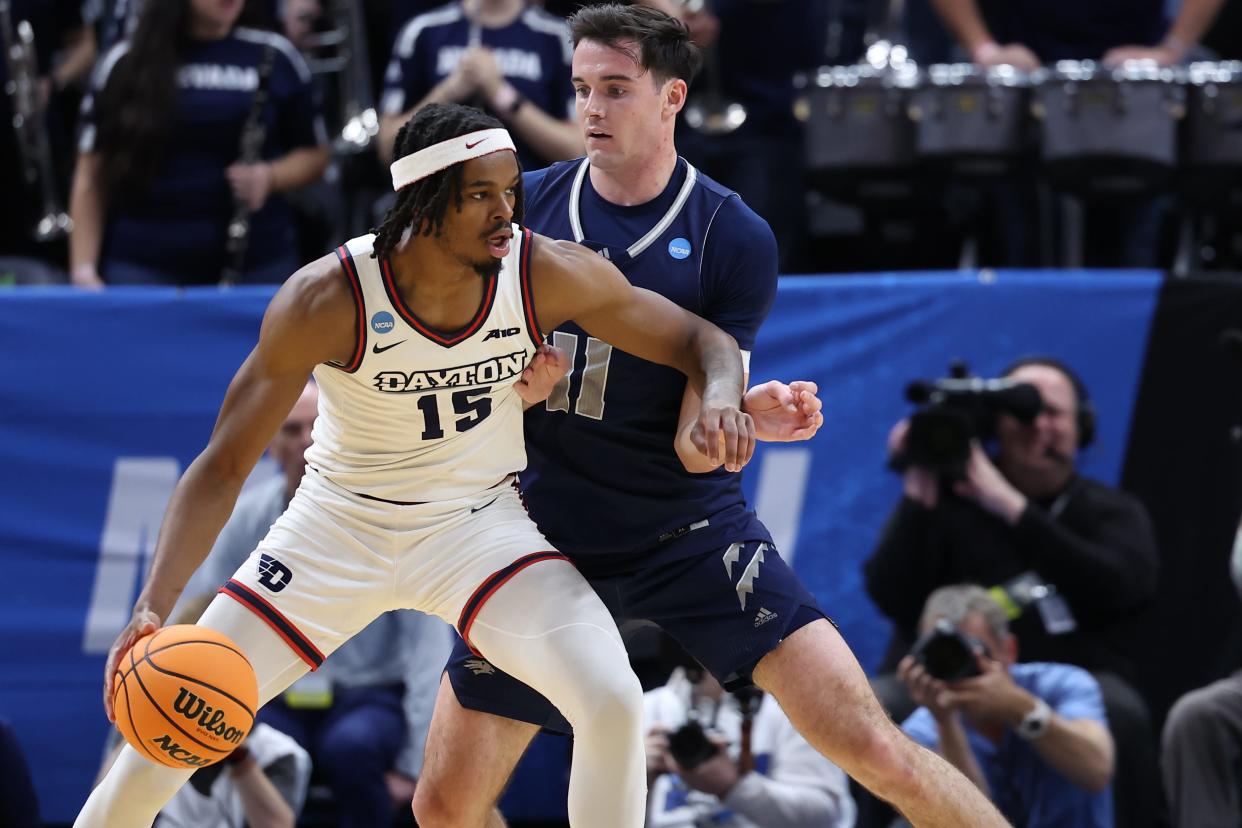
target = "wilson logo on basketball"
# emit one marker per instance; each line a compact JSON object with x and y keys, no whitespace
{"x":176,"y":752}
{"x":208,"y":718}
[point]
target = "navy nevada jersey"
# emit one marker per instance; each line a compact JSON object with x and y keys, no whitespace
{"x":603,"y":478}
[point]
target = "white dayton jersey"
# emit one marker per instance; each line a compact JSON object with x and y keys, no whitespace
{"x":419,"y":415}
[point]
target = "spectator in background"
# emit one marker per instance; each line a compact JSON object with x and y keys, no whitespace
{"x":1028,"y":525}
{"x":363,"y":715}
{"x":1202,"y":746}
{"x":159,"y":172}
{"x":1033,"y":736}
{"x":261,"y":784}
{"x":771,"y":778}
{"x":19,"y":806}
{"x":64,"y":49}
{"x":504,"y":56}
{"x":760,"y":157}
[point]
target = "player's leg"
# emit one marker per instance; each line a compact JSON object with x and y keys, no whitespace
{"x":533,"y":615}
{"x":469,"y":758}
{"x":568,"y":649}
{"x":823,"y":690}
{"x":135,"y":788}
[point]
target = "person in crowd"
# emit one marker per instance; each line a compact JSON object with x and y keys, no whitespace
{"x":506,"y":57}
{"x":39,"y":95}
{"x":19,"y":804}
{"x":363,"y":716}
{"x":261,"y":784}
{"x":193,"y":128}
{"x":1201,"y":748}
{"x":733,"y":760}
{"x":1033,"y":735}
{"x":1075,"y":560}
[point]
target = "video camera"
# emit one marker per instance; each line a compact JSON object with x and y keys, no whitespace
{"x":956,"y":410}
{"x":948,"y":654}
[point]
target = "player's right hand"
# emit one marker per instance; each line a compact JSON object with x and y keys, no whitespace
{"x":142,"y":623}
{"x":724,"y":434}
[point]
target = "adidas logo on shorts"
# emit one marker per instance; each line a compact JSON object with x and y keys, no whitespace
{"x":764,"y":616}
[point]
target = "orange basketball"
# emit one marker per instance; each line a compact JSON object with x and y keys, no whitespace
{"x":185,"y":696}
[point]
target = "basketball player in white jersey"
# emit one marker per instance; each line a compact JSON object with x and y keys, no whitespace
{"x":417,"y":336}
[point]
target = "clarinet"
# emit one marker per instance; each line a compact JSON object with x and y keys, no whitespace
{"x":254,"y":130}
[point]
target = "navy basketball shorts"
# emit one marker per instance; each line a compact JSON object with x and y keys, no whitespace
{"x":727,"y":607}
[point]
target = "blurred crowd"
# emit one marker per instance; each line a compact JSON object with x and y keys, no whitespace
{"x":195,"y":142}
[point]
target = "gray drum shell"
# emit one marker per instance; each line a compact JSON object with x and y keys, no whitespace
{"x":973,"y":118}
{"x":1105,"y":117}
{"x":862,"y":126}
{"x":1213,"y":129}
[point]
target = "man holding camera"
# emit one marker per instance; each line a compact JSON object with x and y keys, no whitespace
{"x":1072,"y":561}
{"x":1033,"y":736}
{"x":734,"y":761}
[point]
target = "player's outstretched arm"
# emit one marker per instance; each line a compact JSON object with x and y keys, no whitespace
{"x":310,"y":320}
{"x":571,"y":282}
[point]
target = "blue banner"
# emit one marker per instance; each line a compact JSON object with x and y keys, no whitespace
{"x":105,"y":399}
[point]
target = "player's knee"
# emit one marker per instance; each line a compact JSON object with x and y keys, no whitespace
{"x":615,"y":703}
{"x":883,"y":761}
{"x":435,"y":806}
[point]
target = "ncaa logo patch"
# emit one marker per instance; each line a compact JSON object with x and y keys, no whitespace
{"x":679,"y":248}
{"x":382,"y":322}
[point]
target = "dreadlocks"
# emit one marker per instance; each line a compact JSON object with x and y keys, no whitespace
{"x":424,"y":203}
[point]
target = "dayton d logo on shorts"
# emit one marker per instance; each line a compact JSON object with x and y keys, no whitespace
{"x":273,"y":574}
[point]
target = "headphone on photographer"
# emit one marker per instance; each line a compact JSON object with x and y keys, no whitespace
{"x":1086,"y":418}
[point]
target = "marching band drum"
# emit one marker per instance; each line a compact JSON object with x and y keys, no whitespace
{"x":1097,"y":130}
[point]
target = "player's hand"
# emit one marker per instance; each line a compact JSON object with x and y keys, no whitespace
{"x":724,"y":434}
{"x":251,"y":183}
{"x":142,"y":623}
{"x":542,"y":374}
{"x":784,"y":413}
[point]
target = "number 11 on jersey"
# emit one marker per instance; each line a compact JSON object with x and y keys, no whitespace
{"x":590,"y":402}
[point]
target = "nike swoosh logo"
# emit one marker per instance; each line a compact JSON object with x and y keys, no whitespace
{"x":376,"y":349}
{"x":488,"y":503}
{"x":475,"y":144}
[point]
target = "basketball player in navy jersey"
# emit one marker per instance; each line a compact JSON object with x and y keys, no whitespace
{"x":419,"y":338}
{"x":666,"y":536}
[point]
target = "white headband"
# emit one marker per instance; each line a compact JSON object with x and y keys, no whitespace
{"x":441,"y":156}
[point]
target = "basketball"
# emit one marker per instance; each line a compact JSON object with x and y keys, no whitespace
{"x":185,"y":696}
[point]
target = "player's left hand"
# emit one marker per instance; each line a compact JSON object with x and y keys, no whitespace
{"x":724,"y":434}
{"x":542,"y":373}
{"x":250,"y":183}
{"x":784,"y":413}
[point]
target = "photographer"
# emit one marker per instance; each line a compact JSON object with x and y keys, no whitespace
{"x":714,"y":759}
{"x":1073,"y":560}
{"x":1033,"y":736}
